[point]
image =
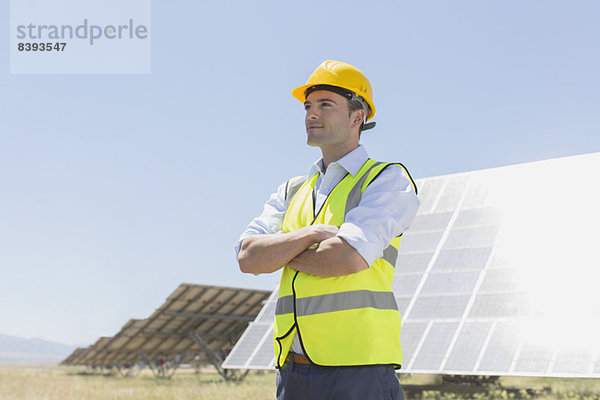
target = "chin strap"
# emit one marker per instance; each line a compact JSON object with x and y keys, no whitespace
{"x":368,"y":125}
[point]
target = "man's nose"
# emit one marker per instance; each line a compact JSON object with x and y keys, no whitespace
{"x":311,"y":114}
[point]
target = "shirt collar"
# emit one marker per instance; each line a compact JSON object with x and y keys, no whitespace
{"x":351,"y":162}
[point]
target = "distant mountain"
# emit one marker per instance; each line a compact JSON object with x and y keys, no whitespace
{"x":17,"y":349}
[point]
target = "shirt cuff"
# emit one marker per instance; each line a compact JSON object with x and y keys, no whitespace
{"x":237,"y":246}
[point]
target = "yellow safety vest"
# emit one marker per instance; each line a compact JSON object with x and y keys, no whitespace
{"x":340,"y":321}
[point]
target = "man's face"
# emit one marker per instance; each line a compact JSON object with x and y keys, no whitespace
{"x":327,"y":120}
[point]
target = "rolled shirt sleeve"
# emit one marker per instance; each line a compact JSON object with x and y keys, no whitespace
{"x":387,"y":209}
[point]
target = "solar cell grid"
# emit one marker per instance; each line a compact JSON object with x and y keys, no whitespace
{"x":433,"y":187}
{"x":500,"y":305}
{"x":500,"y":260}
{"x":471,"y":237}
{"x":412,"y":262}
{"x":410,"y":336}
{"x":597,"y":366}
{"x":439,"y":306}
{"x":450,"y":282}
{"x":500,"y":280}
{"x":452,"y":193}
{"x":501,"y":348}
{"x":459,"y":259}
{"x":468,"y":346}
{"x":267,"y":316}
{"x":431,"y":354}
{"x":253,"y":336}
{"x":534,"y":359}
{"x":406,"y":284}
{"x":421,"y":242}
{"x":431,"y":222}
{"x":264,"y":355}
{"x":484,"y":216}
{"x":572,"y":361}
{"x":477,"y":192}
{"x":402,"y":303}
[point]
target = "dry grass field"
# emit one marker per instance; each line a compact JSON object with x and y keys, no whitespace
{"x":21,"y":382}
{"x":52,"y":383}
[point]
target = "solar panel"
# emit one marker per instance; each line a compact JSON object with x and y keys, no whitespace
{"x":110,"y":353}
{"x":70,"y":360}
{"x":495,"y":277}
{"x":194,"y":323}
{"x":254,"y":349}
{"x":86,"y":356}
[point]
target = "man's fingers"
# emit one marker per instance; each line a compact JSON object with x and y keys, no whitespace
{"x":324,"y":231}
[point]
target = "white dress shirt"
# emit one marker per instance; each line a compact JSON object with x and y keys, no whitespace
{"x":387,"y":208}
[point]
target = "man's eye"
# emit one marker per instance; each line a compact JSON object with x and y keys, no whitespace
{"x":306,"y":107}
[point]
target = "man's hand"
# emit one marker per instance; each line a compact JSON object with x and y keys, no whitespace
{"x":323,"y":231}
{"x":332,"y":257}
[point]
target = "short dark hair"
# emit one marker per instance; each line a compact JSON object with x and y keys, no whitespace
{"x":354,"y":105}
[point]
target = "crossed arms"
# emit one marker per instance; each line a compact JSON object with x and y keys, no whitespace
{"x":332,"y":256}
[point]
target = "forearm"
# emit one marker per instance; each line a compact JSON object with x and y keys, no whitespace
{"x":269,"y":252}
{"x":333,"y":257}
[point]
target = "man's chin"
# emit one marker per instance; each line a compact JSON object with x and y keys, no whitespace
{"x":313,"y":142}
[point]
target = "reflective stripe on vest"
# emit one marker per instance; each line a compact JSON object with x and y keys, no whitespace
{"x":336,"y":302}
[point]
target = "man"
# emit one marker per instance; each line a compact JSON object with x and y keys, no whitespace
{"x":335,"y":233}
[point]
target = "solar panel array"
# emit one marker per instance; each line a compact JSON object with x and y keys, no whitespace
{"x":70,"y":360}
{"x":194,"y":322}
{"x":496,"y":276}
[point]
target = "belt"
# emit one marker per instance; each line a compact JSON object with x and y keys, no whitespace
{"x":298,"y":358}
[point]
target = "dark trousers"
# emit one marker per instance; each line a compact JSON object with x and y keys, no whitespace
{"x":309,"y":382}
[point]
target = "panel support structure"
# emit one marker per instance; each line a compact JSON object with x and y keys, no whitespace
{"x":210,"y":316}
{"x":215,"y":359}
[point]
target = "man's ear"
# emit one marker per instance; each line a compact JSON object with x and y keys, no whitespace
{"x":359,"y":117}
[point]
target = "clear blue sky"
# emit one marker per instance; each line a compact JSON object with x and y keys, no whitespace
{"x":117,"y":188}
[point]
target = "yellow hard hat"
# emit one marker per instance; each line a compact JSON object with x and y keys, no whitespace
{"x":341,"y":75}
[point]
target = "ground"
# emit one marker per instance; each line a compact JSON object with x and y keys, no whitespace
{"x":27,"y":382}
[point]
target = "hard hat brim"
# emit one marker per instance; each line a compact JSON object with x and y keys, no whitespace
{"x":299,"y":92}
